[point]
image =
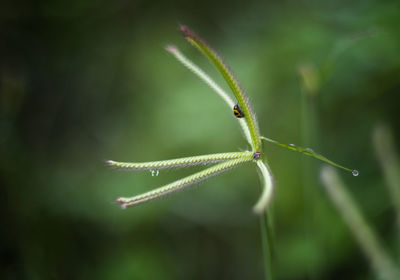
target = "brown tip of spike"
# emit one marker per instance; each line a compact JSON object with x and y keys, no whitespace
{"x":185,"y":31}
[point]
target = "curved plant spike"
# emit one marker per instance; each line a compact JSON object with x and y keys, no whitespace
{"x":184,"y":182}
{"x":311,"y":153}
{"x":268,"y":188}
{"x":227,"y":74}
{"x":179,"y":162}
{"x":200,"y":73}
{"x":211,"y":83}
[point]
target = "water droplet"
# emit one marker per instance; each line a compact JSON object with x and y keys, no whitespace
{"x":152,"y":172}
{"x":157,"y":172}
{"x":355,"y":172}
{"x":309,"y":149}
{"x":291,"y":145}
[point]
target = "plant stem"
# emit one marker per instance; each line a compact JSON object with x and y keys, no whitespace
{"x":388,"y":159}
{"x":267,"y":244}
{"x":384,"y":267}
{"x":309,"y":136}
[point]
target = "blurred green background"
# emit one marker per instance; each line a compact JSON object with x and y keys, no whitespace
{"x":85,"y":81}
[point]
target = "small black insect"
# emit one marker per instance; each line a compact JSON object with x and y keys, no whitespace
{"x":256,"y":155}
{"x":237,"y":111}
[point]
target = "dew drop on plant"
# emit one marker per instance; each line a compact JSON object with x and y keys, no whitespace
{"x":157,"y":172}
{"x":152,"y":172}
{"x":309,"y":149}
{"x":355,"y":172}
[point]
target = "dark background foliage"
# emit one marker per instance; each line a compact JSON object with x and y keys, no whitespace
{"x":85,"y":81}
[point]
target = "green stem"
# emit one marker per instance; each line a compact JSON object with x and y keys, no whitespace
{"x":309,"y":136}
{"x":267,"y":244}
{"x":383,"y":265}
{"x":390,"y":164}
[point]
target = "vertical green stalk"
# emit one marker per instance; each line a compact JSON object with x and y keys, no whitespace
{"x":267,"y":244}
{"x":382,"y":264}
{"x":388,"y":159}
{"x":266,"y":225}
{"x":309,"y":135}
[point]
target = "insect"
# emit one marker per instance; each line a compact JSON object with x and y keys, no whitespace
{"x":237,"y":111}
{"x":256,"y":155}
